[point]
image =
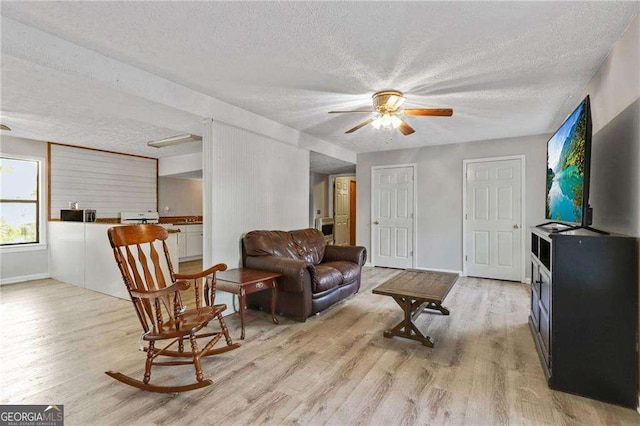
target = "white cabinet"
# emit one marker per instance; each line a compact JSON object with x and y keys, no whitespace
{"x":66,"y":252}
{"x":190,"y":241}
{"x":182,"y":244}
{"x":172,"y":245}
{"x":194,"y":244}
{"x":100,"y":269}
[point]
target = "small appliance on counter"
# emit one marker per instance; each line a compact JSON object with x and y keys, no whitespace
{"x":325,"y":225}
{"x":77,"y":215}
{"x":139,"y":217}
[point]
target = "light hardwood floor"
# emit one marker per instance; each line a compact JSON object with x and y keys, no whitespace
{"x":57,"y":341}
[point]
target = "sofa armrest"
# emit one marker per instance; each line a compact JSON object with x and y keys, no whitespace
{"x":355,"y":254}
{"x":295,"y":272}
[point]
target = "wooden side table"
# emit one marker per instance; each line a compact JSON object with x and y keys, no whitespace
{"x":244,"y":281}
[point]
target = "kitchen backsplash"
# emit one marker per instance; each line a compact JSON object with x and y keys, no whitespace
{"x":178,"y":220}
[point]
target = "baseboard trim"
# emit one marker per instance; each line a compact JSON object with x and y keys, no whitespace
{"x":451,"y":271}
{"x":527,"y":280}
{"x":369,"y":264}
{"x":23,"y":278}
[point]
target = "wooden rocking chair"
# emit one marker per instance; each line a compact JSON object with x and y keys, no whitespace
{"x":160,"y":308}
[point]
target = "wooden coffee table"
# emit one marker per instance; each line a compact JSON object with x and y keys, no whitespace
{"x":417,"y":292}
{"x":244,"y":281}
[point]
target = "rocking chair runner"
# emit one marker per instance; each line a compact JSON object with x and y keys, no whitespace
{"x":160,"y":309}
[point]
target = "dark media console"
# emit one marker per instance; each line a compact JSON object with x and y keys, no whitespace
{"x":584,"y":312}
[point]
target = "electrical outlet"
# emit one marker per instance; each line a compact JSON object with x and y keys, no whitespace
{"x":318,"y":211}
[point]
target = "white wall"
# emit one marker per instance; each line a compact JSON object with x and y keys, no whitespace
{"x":318,"y":197}
{"x":615,"y":94}
{"x":616,"y":84}
{"x":183,"y":197}
{"x":439,"y":193}
{"x":252,"y":182}
{"x":20,"y":266}
{"x":104,"y":181}
{"x":615,"y":159}
{"x":177,"y":164}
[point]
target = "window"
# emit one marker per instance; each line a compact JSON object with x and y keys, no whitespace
{"x":19,"y":201}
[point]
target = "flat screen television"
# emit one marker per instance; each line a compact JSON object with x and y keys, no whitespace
{"x":568,"y":162}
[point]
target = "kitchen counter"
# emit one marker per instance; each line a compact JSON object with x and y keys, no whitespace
{"x":164,"y":221}
{"x":80,"y":254}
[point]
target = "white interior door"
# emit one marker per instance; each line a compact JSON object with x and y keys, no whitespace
{"x":393,"y":221}
{"x":341,"y":211}
{"x":493,"y":232}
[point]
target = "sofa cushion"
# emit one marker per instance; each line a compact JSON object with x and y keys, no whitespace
{"x":326,"y":278}
{"x":310,"y":244}
{"x":271,"y":243}
{"x":349,"y":270}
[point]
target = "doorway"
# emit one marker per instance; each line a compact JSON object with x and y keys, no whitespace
{"x":342,"y":211}
{"x":393,"y":216}
{"x":493,"y":215}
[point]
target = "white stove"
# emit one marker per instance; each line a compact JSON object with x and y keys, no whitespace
{"x":139,"y":217}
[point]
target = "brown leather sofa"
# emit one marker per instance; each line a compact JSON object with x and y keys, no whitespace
{"x":315,"y":275}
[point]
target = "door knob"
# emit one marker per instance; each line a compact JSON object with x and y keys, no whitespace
{"x":376,"y":223}
{"x":516,"y":226}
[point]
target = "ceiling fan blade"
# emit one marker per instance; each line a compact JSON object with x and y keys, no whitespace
{"x":361,"y":125}
{"x":405,"y":128}
{"x":343,"y":112}
{"x":437,"y":112}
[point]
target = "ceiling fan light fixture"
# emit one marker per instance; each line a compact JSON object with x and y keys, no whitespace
{"x":395,"y":122}
{"x":394,"y":102}
{"x":386,"y":110}
{"x":386,"y":122}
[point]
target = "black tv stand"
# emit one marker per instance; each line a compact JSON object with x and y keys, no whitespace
{"x":566,"y":228}
{"x":584,"y":313}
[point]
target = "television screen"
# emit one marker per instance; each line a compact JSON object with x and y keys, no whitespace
{"x":568,"y":153}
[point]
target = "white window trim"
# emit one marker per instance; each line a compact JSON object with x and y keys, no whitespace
{"x":42,"y":193}
{"x":23,"y":247}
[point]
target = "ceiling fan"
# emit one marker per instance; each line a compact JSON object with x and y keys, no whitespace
{"x":386,"y":105}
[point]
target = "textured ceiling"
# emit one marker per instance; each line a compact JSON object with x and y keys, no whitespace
{"x":42,"y":104}
{"x":320,"y":163}
{"x":506,"y":68}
